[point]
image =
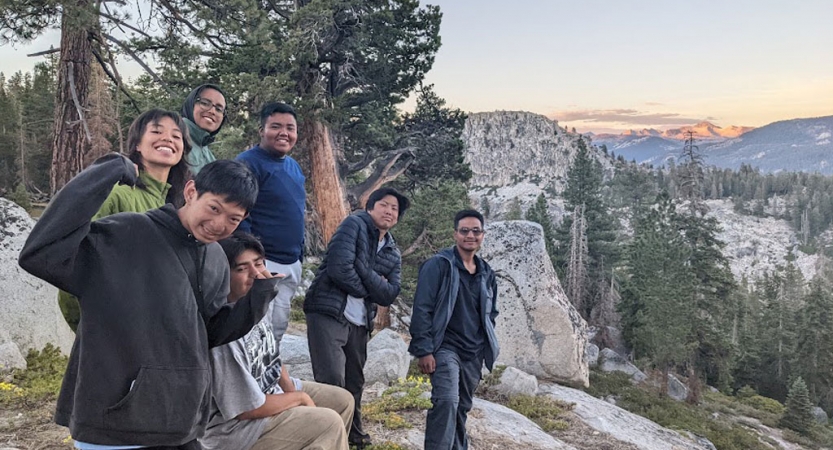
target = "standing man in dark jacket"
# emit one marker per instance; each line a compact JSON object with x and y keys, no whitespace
{"x":360,"y":270}
{"x":453,"y":330}
{"x":152,"y":289}
{"x":277,"y":218}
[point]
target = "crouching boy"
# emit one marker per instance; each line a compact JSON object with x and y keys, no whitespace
{"x":255,"y":403}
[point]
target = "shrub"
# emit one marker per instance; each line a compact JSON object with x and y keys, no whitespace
{"x":544,"y":411}
{"x":296,"y":311}
{"x":40,"y":381}
{"x":405,"y":395}
{"x":765,"y":404}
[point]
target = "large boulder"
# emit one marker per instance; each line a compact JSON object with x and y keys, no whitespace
{"x":295,"y":355}
{"x":29,"y":312}
{"x":676,"y":388}
{"x":387,"y":358}
{"x":11,"y":358}
{"x":820,"y":416}
{"x":538,"y":329}
{"x":620,"y":424}
{"x":493,"y":426}
{"x":515,"y":382}
{"x":610,"y":361}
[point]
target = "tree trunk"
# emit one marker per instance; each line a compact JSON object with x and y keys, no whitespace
{"x":328,"y":191}
{"x":71,"y":140}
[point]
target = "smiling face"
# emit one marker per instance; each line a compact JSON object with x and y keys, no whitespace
{"x":246,"y":268}
{"x":209,"y":217}
{"x":161,"y":144}
{"x":206,"y":116}
{"x":279,"y":134}
{"x":469,"y":234}
{"x":385,"y":212}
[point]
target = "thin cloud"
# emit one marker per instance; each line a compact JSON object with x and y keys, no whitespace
{"x":624,"y":116}
{"x":654,"y":104}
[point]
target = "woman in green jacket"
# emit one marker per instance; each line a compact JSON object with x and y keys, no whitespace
{"x":204,"y":112}
{"x":158,"y":146}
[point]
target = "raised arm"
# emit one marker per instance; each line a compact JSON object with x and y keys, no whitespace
{"x":53,"y":245}
{"x":233,"y":320}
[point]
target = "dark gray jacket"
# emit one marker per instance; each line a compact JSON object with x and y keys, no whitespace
{"x":144,"y":378}
{"x":434,"y":300}
{"x":352,"y":266}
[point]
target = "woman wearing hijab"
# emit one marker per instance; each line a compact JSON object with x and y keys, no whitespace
{"x":204,"y":112}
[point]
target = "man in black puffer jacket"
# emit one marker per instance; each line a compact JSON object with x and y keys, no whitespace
{"x":360,"y":271}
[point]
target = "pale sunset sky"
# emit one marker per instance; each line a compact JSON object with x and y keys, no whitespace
{"x":612,"y":65}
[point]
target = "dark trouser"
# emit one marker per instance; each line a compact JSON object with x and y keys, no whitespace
{"x":453,"y":383}
{"x":338,"y":351}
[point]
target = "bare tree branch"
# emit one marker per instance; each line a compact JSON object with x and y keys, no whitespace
{"x":45,"y":52}
{"x":418,"y":242}
{"x":277,"y":10}
{"x":136,"y":58}
{"x":122,"y":23}
{"x":115,"y":78}
{"x":78,"y":108}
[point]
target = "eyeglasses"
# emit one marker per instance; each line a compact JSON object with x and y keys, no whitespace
{"x":207,"y":105}
{"x":474,"y":231}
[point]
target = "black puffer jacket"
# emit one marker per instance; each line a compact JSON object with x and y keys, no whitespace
{"x":352,"y":266}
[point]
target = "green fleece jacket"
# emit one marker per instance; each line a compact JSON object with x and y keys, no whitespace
{"x":200,"y":154}
{"x":121,"y":199}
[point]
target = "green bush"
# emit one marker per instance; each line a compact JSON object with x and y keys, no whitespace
{"x":405,"y":395}
{"x":296,"y":311}
{"x":764,"y":404}
{"x":20,"y":196}
{"x":799,"y":411}
{"x":40,"y":381}
{"x":544,"y":411}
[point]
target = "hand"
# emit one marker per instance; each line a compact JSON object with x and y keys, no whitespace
{"x":306,"y":400}
{"x":382,"y":319}
{"x":427,"y":364}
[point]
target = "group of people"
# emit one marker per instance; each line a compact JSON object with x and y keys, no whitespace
{"x":177,"y":270}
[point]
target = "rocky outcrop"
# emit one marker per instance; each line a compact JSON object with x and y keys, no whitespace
{"x":517,"y":155}
{"x":387,"y":358}
{"x":29,"y":312}
{"x":610,"y":361}
{"x":493,"y":426}
{"x":538,"y":329}
{"x":620,"y":424}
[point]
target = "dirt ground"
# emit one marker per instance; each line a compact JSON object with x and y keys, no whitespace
{"x":30,"y":427}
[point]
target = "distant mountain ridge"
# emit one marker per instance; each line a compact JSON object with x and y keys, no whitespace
{"x":704,"y":131}
{"x":793,"y":145}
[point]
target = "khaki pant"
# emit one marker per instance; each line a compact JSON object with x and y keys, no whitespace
{"x":322,"y":427}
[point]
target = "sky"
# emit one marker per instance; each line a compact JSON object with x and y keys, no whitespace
{"x":613,"y":65}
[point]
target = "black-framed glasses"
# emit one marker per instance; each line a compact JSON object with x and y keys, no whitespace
{"x":208,"y":104}
{"x":474,"y":231}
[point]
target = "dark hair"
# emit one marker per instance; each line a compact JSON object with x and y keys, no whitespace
{"x":238,"y":243}
{"x":275,"y":108}
{"x":179,"y":174}
{"x":468,"y":213}
{"x":381,"y":193}
{"x":229,"y":179}
{"x":187,"y":110}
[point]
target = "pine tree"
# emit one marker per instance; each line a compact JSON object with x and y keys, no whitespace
{"x":799,"y":412}
{"x":584,"y":191}
{"x":814,"y":352}
{"x":657,"y":299}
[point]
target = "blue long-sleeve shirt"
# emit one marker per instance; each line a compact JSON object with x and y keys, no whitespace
{"x":277,"y":218}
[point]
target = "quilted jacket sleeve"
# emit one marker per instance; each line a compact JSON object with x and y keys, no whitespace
{"x":341,"y":257}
